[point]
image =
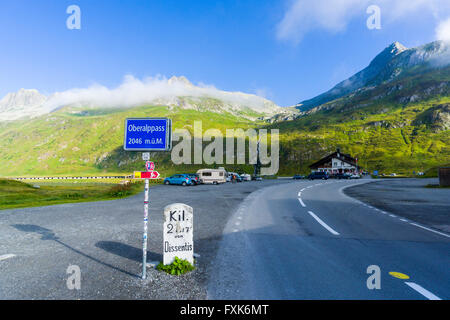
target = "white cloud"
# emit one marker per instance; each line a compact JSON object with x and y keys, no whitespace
{"x":443,"y":30}
{"x":304,"y":16}
{"x":135,"y":92}
{"x":132,"y":92}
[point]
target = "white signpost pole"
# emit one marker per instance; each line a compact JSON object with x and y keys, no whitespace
{"x":144,"y":246}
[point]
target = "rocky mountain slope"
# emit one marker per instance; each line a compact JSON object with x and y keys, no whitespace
{"x":396,"y":121}
{"x":392,"y":64}
{"x":23,"y":103}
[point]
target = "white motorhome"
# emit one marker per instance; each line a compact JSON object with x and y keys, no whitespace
{"x":212,"y":176}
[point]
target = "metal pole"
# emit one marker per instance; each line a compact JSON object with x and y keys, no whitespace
{"x":144,"y":246}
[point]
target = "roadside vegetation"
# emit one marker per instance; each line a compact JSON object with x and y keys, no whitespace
{"x":15,"y":194}
{"x":177,"y":268}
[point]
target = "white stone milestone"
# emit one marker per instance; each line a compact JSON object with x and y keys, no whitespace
{"x":178,"y":233}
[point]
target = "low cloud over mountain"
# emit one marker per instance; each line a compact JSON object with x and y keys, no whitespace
{"x":132,"y":92}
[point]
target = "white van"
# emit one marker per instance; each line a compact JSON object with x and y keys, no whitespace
{"x":212,"y":176}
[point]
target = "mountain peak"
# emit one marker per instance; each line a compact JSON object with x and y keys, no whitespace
{"x":387,"y":55}
{"x":180,"y":79}
{"x":396,"y":48}
{"x":388,"y":65}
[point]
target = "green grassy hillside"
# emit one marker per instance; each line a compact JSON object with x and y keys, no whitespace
{"x":392,"y":141}
{"x":400,"y":126}
{"x":15,"y":194}
{"x":91,"y":141}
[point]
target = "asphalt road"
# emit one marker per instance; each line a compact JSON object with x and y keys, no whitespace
{"x":308,"y":240}
{"x":37,"y":245}
{"x":256,"y":240}
{"x":409,"y":198}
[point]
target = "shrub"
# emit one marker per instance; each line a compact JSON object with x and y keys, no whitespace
{"x":178,"y":267}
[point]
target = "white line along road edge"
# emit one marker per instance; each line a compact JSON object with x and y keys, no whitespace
{"x":301,"y":202}
{"x":323,"y":223}
{"x":423,"y":291}
{"x":7,"y":256}
{"x":418,"y":225}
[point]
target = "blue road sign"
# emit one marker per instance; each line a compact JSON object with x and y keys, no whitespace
{"x":148,"y":134}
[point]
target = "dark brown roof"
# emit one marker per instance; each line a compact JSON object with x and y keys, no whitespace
{"x":338,"y":155}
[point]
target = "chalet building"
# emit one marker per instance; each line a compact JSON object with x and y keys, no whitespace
{"x":336,"y":163}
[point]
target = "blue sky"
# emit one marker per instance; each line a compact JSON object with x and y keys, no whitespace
{"x":287,"y":51}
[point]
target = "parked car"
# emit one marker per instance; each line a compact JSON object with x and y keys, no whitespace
{"x":342,"y":176}
{"x":181,"y":179}
{"x":355,"y":176}
{"x":246,"y":177}
{"x":298,"y":177}
{"x":256,"y":178}
{"x":212,"y":176}
{"x":230,"y":177}
{"x":319,"y":176}
{"x":195,"y":178}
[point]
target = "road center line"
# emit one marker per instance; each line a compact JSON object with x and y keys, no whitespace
{"x":301,"y":202}
{"x":299,"y":194}
{"x":442,"y":234}
{"x":7,"y":256}
{"x":323,"y":223}
{"x":423,"y":291}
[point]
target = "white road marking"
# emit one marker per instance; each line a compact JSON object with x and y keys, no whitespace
{"x":393,"y":216}
{"x":302,"y":190}
{"x":240,"y":218}
{"x":237,"y":223}
{"x":442,"y":234}
{"x":299,"y":194}
{"x":301,"y":202}
{"x":423,"y":291}
{"x":7,"y":256}
{"x":404,"y":220}
{"x":323,"y":223}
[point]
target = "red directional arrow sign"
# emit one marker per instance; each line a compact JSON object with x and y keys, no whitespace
{"x":150,"y":175}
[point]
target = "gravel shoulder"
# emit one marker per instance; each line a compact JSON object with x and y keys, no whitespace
{"x":104,"y":240}
{"x":408,"y":198}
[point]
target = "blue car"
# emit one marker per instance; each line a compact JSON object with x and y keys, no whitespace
{"x":181,"y":179}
